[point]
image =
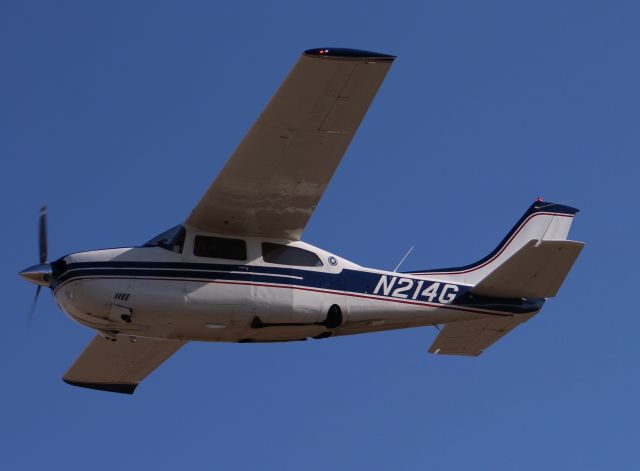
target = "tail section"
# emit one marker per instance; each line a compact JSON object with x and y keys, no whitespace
{"x":537,"y":270}
{"x":536,"y":247}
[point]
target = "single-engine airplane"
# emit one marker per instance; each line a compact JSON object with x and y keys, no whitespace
{"x":236,"y":270}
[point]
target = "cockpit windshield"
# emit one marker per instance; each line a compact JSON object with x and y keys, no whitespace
{"x":173,"y":239}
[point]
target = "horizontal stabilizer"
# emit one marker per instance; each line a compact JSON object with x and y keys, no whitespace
{"x":537,"y":270}
{"x":471,"y":338}
{"x":119,"y":366}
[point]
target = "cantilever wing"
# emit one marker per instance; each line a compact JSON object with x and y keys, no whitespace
{"x":119,"y":366}
{"x":273,"y":181}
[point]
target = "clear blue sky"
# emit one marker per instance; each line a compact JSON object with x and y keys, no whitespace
{"x":119,"y":115}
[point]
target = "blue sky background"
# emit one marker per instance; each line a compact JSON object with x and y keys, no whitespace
{"x":120,"y":114}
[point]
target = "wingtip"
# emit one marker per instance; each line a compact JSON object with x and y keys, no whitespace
{"x":348,"y":54}
{"x":122,"y":388}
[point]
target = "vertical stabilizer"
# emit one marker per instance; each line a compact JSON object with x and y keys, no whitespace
{"x":541,"y":222}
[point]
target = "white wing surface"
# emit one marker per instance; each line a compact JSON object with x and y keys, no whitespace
{"x":471,"y":338}
{"x":119,"y":366}
{"x":273,"y":181}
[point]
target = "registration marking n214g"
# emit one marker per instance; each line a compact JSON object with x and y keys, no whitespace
{"x":408,"y":288}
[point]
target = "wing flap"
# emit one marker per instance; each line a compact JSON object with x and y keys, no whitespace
{"x":119,"y":366}
{"x":537,"y":270}
{"x":275,"y":178}
{"x":471,"y":338}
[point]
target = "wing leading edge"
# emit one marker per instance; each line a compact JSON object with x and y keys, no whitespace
{"x":273,"y":181}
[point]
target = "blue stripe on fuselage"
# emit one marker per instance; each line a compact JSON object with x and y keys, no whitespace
{"x":393,"y":286}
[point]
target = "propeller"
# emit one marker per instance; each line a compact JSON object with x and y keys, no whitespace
{"x":42,"y":234}
{"x":39,"y":274}
{"x":32,"y":310}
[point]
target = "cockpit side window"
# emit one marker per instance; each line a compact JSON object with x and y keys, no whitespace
{"x":220,"y":247}
{"x":287,"y":255}
{"x":172,"y":240}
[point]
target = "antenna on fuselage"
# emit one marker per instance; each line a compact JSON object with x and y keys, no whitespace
{"x":403,"y":258}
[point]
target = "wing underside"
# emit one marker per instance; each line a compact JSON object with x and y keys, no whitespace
{"x":273,"y":181}
{"x":119,"y":366}
{"x":471,"y":338}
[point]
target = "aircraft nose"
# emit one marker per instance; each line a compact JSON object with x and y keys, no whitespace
{"x":38,"y":274}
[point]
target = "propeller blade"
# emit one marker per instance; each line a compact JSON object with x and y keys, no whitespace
{"x":42,"y":235}
{"x":33,"y":307}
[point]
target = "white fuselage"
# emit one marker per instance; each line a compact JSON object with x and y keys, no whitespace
{"x":155,"y":292}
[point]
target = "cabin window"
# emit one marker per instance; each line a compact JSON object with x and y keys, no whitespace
{"x":287,"y":255}
{"x":220,"y":247}
{"x":173,"y":239}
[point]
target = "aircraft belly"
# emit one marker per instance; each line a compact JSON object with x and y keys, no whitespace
{"x":363,"y":310}
{"x":286,"y":304}
{"x":309,"y":306}
{"x":368,"y":315}
{"x":211,"y":310}
{"x":223,"y":311}
{"x":208,"y":311}
{"x":273,"y":304}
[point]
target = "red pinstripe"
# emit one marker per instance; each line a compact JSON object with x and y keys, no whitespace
{"x":499,"y":252}
{"x":299,"y":288}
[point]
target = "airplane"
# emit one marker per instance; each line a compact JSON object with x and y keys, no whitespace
{"x":236,"y":269}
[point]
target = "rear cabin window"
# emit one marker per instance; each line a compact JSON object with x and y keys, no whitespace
{"x":287,"y":255}
{"x":220,"y":247}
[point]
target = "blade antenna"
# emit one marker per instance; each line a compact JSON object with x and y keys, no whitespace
{"x":403,"y":259}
